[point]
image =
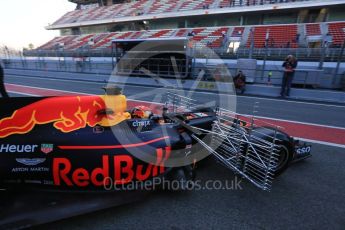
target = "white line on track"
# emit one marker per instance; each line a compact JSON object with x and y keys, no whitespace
{"x":297,"y":122}
{"x":25,"y":94}
{"x":40,"y":88}
{"x":209,"y":93}
{"x":64,"y":80}
{"x":296,"y":102}
{"x":270,"y":118}
{"x":263,"y":98}
{"x":320,"y":142}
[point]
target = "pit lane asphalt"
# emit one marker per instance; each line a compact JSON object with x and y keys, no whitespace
{"x":318,"y":113}
{"x":309,"y":195}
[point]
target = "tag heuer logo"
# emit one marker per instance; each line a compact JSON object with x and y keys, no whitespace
{"x":47,"y":148}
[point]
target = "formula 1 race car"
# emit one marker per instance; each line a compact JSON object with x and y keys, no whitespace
{"x":89,"y":143}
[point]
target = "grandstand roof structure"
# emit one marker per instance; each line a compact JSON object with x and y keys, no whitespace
{"x":84,"y":1}
{"x":233,"y":28}
{"x":160,"y":9}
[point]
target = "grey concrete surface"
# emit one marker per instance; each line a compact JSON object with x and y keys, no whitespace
{"x":309,"y":195}
{"x":251,"y":89}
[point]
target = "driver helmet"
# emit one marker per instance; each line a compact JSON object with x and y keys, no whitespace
{"x":141,"y":112}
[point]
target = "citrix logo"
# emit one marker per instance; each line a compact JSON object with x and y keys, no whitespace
{"x":143,"y":123}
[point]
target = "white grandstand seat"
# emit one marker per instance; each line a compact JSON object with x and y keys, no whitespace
{"x":211,"y":37}
{"x":105,"y":41}
{"x":281,"y":36}
{"x":51,"y":45}
{"x":226,"y":3}
{"x":195,"y":5}
{"x":79,"y":42}
{"x":181,"y":33}
{"x":163,"y":6}
{"x":135,"y":8}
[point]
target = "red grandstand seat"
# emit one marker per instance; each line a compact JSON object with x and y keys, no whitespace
{"x":215,"y":39}
{"x":181,"y":33}
{"x":136,"y":35}
{"x":125,"y":35}
{"x":104,"y":41}
{"x":161,"y":6}
{"x":337,"y":30}
{"x":225,"y":3}
{"x":81,"y":41}
{"x":313,"y":29}
{"x":237,"y":32}
{"x":139,"y":7}
{"x":160,"y":33}
{"x":51,"y":44}
{"x":281,"y":36}
{"x":203,"y":4}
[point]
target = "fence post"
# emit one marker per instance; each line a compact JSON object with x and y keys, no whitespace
{"x":338,"y":63}
{"x":113,"y":53}
{"x":322,"y":54}
{"x":193,"y":55}
{"x":251,"y":43}
{"x":265,"y":54}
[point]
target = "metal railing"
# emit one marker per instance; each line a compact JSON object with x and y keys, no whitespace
{"x":61,"y":65}
{"x":302,"y":54}
{"x":81,"y":52}
{"x":242,"y":3}
{"x":246,"y":150}
{"x":271,"y":74}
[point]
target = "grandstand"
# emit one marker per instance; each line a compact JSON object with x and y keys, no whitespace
{"x":230,"y":27}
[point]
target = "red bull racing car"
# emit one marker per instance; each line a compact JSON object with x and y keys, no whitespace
{"x":86,"y":145}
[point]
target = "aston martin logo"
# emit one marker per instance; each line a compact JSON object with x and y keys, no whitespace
{"x":30,"y":162}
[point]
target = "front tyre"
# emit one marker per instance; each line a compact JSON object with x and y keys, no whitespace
{"x":285,"y":156}
{"x":285,"y":147}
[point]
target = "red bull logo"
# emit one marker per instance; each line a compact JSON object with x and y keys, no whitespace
{"x":124,"y":171}
{"x":66,"y":113}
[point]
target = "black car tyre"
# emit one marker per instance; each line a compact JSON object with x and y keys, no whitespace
{"x":284,"y":159}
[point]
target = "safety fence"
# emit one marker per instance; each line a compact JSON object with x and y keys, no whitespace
{"x":303,"y":54}
{"x":206,"y":73}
